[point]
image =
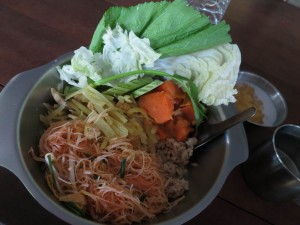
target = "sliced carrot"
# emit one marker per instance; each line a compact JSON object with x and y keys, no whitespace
{"x":161,"y":103}
{"x":182,"y":129}
{"x":169,"y":128}
{"x":162,"y":133}
{"x":173,"y":90}
{"x":158,"y":105}
{"x":166,"y":130}
{"x":188,"y":112}
{"x":169,"y":87}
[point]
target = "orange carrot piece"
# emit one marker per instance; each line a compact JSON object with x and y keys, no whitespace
{"x":182,"y":129}
{"x":166,"y":130}
{"x":173,"y":90}
{"x":169,"y":87}
{"x":158,"y":105}
{"x":188,"y":112}
{"x":162,"y":133}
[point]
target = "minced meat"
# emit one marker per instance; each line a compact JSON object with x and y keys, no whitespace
{"x":174,"y":156}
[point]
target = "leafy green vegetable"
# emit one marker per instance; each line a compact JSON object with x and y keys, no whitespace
{"x":178,"y":21}
{"x":124,"y":88}
{"x":134,"y":18}
{"x":211,"y":36}
{"x":168,"y":25}
{"x":182,"y":81}
{"x":145,"y":89}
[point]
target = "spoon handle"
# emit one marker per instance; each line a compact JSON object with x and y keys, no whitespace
{"x":210,"y":131}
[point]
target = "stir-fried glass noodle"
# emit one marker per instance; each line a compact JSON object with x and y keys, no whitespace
{"x":104,"y":159}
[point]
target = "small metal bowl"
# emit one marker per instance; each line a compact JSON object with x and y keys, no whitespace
{"x":274,"y":107}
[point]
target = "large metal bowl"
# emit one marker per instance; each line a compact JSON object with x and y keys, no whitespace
{"x":20,"y":105}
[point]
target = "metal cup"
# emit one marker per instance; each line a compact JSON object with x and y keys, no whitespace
{"x":272,"y":171}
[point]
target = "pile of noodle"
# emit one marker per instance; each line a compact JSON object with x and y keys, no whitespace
{"x":100,"y":159}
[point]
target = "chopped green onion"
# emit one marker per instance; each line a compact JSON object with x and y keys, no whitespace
{"x":95,"y":176}
{"x":143,"y":197}
{"x":149,"y":87}
{"x":122,"y":169}
{"x":124,"y":88}
{"x":52,"y":170}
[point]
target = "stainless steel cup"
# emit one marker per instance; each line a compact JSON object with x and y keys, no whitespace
{"x":272,"y":171}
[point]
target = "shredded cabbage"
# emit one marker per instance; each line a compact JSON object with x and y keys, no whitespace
{"x":122,"y":52}
{"x":214,"y":71}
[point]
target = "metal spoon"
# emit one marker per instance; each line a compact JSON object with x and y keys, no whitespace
{"x":206,"y":132}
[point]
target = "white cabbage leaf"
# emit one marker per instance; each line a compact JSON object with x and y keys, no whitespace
{"x":127,"y":52}
{"x":122,"y":52}
{"x":214,"y":71}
